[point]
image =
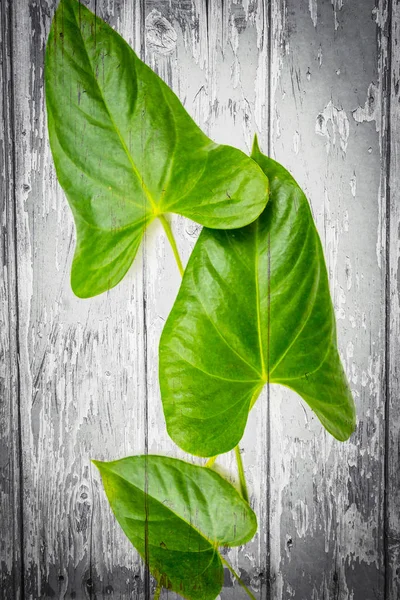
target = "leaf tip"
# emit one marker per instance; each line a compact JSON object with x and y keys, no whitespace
{"x":255,"y":151}
{"x":97,"y":463}
{"x":344,"y":433}
{"x":81,"y":288}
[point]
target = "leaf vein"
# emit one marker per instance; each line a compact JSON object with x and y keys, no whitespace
{"x":208,"y":316}
{"x":212,"y":374}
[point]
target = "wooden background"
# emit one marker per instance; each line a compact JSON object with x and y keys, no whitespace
{"x":318,"y":80}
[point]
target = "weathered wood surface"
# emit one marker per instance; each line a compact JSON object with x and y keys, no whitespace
{"x":319,"y":82}
{"x":392,"y":413}
{"x":10,"y":515}
{"x":327,"y":127}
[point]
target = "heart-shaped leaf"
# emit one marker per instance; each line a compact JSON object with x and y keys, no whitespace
{"x":254,"y":307}
{"x":126,"y":151}
{"x":176,"y":515}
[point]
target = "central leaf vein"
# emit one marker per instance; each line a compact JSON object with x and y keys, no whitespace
{"x":258,"y":306}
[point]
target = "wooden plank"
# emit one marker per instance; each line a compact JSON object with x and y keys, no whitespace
{"x":239,"y":97}
{"x":214,"y":56}
{"x":393,"y":320}
{"x":10,"y":521}
{"x":173,"y":38}
{"x":83,"y":385}
{"x":327,"y":497}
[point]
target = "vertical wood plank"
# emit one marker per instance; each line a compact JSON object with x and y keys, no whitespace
{"x":327,"y":521}
{"x":239,"y":101}
{"x":174,"y":50}
{"x":215,"y":57}
{"x":83,"y":385}
{"x":393,"y":320}
{"x":10,"y":521}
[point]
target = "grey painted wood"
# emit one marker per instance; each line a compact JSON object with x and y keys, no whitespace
{"x":83,"y":392}
{"x":311,"y":77}
{"x":393,"y":317}
{"x":10,"y":516}
{"x":326,"y":126}
{"x":210,"y":56}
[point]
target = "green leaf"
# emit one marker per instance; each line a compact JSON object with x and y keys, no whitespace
{"x":126,"y":151}
{"x":254,"y":306}
{"x":176,"y":515}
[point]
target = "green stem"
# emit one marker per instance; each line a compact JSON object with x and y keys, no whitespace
{"x":232,"y":570}
{"x":242,"y":477}
{"x":157,"y":593}
{"x":171,"y":239}
{"x":210,"y":462}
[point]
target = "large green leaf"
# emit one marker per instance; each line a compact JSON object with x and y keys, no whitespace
{"x":254,"y":307}
{"x":176,"y":515}
{"x":126,"y":151}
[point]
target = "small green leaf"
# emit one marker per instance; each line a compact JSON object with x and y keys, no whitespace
{"x":254,"y":306}
{"x":176,"y":515}
{"x":126,"y":151}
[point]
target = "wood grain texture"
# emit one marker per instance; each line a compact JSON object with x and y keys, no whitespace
{"x":10,"y":474}
{"x":393,"y":307}
{"x":327,"y":128}
{"x":83,"y":392}
{"x":318,"y":81}
{"x":213,"y":69}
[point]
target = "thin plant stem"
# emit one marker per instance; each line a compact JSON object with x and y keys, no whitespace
{"x":157,"y":593}
{"x":242,"y":477}
{"x":240,"y":582}
{"x":171,"y":239}
{"x":210,"y":462}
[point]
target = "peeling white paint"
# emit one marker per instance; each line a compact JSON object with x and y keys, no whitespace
{"x":349,"y":273}
{"x":359,"y":530}
{"x":337,"y":6}
{"x":260,"y":88}
{"x":313,"y":8}
{"x":332,"y":123}
{"x":260,"y":109}
{"x":346,"y":220}
{"x":341,"y":301}
{"x":234,"y":41}
{"x":380,"y":240}
{"x":300,"y":514}
{"x":371,"y":111}
{"x":280,"y":47}
{"x":296,"y":142}
{"x":320,"y":55}
{"x":353,"y":185}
